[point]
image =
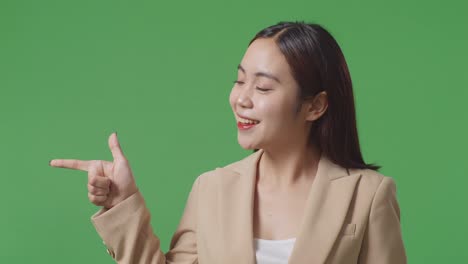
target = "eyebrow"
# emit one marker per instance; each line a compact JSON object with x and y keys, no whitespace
{"x":261,"y":74}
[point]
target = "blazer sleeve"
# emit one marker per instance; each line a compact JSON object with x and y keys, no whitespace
{"x":383,"y":242}
{"x":127,"y":233}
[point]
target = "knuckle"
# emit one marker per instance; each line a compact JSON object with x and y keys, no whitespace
{"x":96,"y":190}
{"x":98,"y":200}
{"x":94,"y":198}
{"x":107,"y":182}
{"x":92,"y":179}
{"x":91,"y":197}
{"x":102,"y":199}
{"x":93,"y":190}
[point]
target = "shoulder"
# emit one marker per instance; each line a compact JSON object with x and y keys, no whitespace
{"x":373,"y":183}
{"x":370,"y":178}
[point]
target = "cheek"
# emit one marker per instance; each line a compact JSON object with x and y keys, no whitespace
{"x":232,"y":97}
{"x":263,"y":108}
{"x":270,"y":107}
{"x":278,"y":110}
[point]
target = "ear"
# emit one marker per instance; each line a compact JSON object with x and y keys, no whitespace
{"x":316,"y":106}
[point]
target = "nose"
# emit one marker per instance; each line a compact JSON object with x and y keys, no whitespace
{"x":244,"y":99}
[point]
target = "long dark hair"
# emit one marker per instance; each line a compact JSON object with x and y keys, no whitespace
{"x":317,"y":65}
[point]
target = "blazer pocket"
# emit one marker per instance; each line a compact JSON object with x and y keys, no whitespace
{"x":348,"y":229}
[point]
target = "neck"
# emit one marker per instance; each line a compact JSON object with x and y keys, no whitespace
{"x":288,"y":166}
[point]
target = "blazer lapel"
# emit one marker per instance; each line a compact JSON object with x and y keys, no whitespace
{"x":237,"y":200}
{"x":325,"y":212}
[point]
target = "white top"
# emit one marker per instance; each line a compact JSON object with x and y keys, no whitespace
{"x":273,"y":251}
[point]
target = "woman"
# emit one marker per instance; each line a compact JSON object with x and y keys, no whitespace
{"x":304,"y":196}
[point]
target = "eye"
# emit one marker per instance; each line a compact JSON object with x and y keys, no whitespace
{"x":238,"y":82}
{"x":263,"y":89}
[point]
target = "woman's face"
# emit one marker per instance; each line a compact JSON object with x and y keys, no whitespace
{"x":266,"y":92}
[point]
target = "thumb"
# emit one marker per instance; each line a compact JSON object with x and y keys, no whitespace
{"x":115,"y":147}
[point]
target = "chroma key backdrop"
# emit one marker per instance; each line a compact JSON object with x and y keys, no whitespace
{"x":160,"y":73}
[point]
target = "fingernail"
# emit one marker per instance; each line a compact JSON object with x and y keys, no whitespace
{"x":50,"y":161}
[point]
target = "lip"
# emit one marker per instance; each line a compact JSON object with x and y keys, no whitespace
{"x":245,"y":117}
{"x":243,"y":126}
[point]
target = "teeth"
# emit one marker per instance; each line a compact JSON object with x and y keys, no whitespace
{"x":247,"y":121}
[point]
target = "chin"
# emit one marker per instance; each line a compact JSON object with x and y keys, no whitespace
{"x":248,"y":145}
{"x":248,"y":148}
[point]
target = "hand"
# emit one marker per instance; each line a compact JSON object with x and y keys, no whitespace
{"x":108,"y":182}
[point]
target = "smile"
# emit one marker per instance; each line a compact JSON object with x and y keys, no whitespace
{"x":246,"y":121}
{"x":245,"y":126}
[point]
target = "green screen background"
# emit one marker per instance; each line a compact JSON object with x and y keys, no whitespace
{"x":159,"y":73}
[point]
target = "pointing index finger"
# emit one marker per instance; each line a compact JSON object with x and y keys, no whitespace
{"x":74,"y":164}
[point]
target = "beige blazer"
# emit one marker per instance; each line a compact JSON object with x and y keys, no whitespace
{"x":350,"y":217}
